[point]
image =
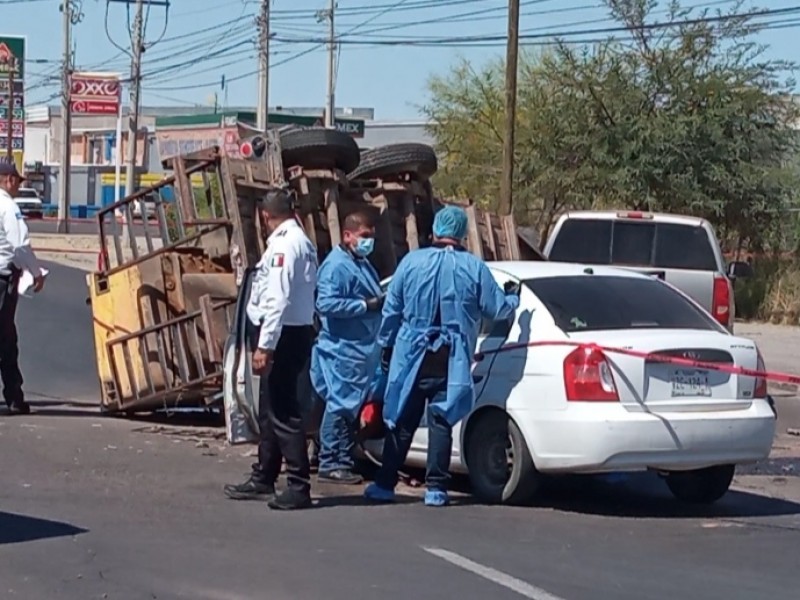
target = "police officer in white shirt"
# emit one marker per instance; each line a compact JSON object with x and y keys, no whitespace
{"x":281,"y":309}
{"x":16,"y":256}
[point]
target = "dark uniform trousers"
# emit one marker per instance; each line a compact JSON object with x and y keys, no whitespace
{"x":280,"y":411}
{"x":9,"y":350}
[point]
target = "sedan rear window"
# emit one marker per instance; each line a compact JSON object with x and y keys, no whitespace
{"x":598,"y":302}
{"x":634,"y":243}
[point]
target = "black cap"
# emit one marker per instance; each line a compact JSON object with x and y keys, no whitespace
{"x":9,"y":167}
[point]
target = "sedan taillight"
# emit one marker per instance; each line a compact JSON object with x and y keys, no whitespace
{"x":588,"y":377}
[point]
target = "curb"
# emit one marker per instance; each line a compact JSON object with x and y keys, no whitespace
{"x":784,"y":387}
{"x":65,"y":251}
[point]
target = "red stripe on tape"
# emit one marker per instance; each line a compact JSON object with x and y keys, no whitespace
{"x":654,"y":356}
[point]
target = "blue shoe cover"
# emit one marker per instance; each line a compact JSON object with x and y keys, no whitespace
{"x":377,"y":494}
{"x":436,"y":498}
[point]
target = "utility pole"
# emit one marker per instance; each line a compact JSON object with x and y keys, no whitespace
{"x":512,"y":51}
{"x":263,"y":67}
{"x":62,"y":224}
{"x":136,"y":82}
{"x":330,"y":105}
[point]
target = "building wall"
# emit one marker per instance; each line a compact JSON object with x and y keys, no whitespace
{"x":380,"y":133}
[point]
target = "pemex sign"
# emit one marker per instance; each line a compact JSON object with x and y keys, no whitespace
{"x":12,"y":56}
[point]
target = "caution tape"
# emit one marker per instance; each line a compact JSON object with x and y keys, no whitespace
{"x":654,"y":357}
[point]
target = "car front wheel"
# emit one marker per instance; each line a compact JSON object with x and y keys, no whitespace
{"x":500,"y":466}
{"x":703,"y":486}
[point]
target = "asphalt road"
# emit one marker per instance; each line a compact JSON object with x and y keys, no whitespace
{"x":94,"y":507}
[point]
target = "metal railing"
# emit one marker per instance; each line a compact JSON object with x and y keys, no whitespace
{"x":185,"y":350}
{"x":181,"y":225}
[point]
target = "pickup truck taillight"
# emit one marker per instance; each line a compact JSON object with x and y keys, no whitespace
{"x":761,"y":383}
{"x":588,"y":377}
{"x":721,"y":300}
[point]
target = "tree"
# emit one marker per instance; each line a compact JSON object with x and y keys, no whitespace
{"x":682,"y":115}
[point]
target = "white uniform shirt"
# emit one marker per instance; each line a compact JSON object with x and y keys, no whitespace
{"x":284,"y":284}
{"x":15,"y":247}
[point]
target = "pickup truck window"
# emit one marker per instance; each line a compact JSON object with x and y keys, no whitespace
{"x":599,"y":303}
{"x":634,"y":243}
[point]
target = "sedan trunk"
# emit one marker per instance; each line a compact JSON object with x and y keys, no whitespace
{"x":656,"y":385}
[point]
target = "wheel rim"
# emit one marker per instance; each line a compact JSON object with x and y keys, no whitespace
{"x":497,"y":460}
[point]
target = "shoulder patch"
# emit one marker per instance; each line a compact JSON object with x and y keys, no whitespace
{"x":18,"y":215}
{"x":277,"y":260}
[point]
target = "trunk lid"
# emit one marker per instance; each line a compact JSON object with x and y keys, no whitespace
{"x":656,"y":386}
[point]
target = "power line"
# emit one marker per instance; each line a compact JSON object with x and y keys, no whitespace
{"x":454,"y":40}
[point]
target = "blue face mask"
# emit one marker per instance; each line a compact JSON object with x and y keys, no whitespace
{"x":364,"y":247}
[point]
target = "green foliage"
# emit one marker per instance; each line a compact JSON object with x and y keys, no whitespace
{"x":687,"y":119}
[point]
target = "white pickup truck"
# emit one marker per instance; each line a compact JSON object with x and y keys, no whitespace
{"x":680,"y":250}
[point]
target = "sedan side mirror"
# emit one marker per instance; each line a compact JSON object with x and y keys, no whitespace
{"x":740,"y":270}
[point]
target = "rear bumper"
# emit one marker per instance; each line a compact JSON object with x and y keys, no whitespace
{"x":588,"y":438}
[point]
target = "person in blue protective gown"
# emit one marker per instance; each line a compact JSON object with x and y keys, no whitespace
{"x":428,"y":335}
{"x":346,"y":354}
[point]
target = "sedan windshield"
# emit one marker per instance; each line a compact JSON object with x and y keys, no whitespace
{"x":596,"y":302}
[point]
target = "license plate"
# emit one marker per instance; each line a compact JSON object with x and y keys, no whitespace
{"x":690,"y":382}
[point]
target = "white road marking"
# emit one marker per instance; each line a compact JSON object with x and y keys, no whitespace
{"x":507,"y":581}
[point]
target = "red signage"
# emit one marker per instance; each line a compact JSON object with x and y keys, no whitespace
{"x":95,"y":94}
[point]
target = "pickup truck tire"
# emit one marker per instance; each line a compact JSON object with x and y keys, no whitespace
{"x":319,"y":148}
{"x":493,"y":443}
{"x":703,"y":486}
{"x":397,"y":159}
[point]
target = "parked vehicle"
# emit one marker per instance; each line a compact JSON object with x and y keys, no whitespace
{"x":681,"y":250}
{"x":29,"y":203}
{"x":553,"y":409}
{"x":145,"y":208}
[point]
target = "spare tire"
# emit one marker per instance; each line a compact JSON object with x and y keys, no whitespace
{"x":319,"y":148}
{"x":397,"y":159}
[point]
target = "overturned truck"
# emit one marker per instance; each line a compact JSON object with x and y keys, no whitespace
{"x":168,"y":300}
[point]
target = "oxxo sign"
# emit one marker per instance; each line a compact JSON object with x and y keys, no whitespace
{"x":95,"y":93}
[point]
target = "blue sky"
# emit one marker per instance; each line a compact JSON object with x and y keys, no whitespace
{"x":205,"y":39}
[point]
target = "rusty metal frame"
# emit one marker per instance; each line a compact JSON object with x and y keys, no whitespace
{"x":186,"y":215}
{"x":178,"y":341}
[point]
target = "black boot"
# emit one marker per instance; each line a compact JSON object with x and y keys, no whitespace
{"x":290,"y":500}
{"x":255,"y":488}
{"x":19,"y":408}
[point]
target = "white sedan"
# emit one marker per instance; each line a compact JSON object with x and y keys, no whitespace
{"x":564,"y":409}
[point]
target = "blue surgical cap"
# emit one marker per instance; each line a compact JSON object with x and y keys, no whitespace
{"x":450,"y":222}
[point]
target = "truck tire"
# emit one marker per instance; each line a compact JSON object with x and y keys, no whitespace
{"x":397,"y":159}
{"x":493,"y":442}
{"x":703,"y":486}
{"x":319,"y":148}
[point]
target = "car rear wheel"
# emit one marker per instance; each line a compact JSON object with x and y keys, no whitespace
{"x":500,"y":466}
{"x":703,"y":486}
